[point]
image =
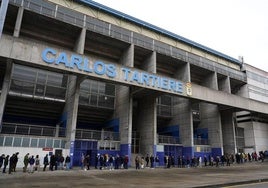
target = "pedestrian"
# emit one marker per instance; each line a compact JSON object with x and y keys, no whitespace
{"x":5,"y":163}
{"x":67,"y":162}
{"x":2,"y":158}
{"x":45,"y":162}
{"x":37,"y":163}
{"x":15,"y":161}
{"x":11,"y":163}
{"x":137,"y":162}
{"x":152,"y":161}
{"x":31,"y":162}
{"x":97,"y":160}
{"x":26,"y":162}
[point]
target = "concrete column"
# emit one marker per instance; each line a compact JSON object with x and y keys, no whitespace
{"x":183,"y":73}
{"x":147,"y":125}
{"x":124,"y":106}
{"x":243,"y":91}
{"x":70,"y":111}
{"x":3,"y":12}
{"x":183,"y":116}
{"x":210,"y":119}
{"x":80,"y":42}
{"x":224,"y":84}
{"x":149,"y":64}
{"x":18,"y":22}
{"x":127,"y":57}
{"x":5,"y":89}
{"x":228,"y":132}
{"x":211,"y":81}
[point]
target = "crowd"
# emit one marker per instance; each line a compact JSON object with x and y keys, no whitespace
{"x":32,"y":163}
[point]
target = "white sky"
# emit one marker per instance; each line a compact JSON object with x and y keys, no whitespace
{"x":233,"y":27}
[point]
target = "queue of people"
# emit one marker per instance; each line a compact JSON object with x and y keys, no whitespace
{"x":32,"y":163}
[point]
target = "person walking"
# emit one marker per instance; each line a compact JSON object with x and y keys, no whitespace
{"x":37,"y":163}
{"x":45,"y":162}
{"x":5,"y":163}
{"x":31,"y":162}
{"x":2,"y":158}
{"x":67,"y":162}
{"x":26,"y":162}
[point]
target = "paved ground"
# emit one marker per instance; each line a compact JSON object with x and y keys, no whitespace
{"x":174,"y":177}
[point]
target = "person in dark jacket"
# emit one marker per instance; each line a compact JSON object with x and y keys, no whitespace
{"x":67,"y":162}
{"x":45,"y":162}
{"x":5,"y":163}
{"x":2,"y":158}
{"x":11,"y":163}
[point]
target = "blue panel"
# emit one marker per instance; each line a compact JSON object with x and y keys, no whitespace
{"x":188,"y":152}
{"x":201,"y":133}
{"x":125,"y":149}
{"x":216,"y":152}
{"x":170,"y":130}
{"x":174,"y":151}
{"x":161,"y":156}
{"x":114,"y":123}
{"x":83,"y":148}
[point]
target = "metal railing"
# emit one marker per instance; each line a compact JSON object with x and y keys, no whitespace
{"x":76,"y":18}
{"x":35,"y":130}
{"x":97,"y":135}
{"x":40,"y":130}
{"x":201,"y":141}
{"x":168,"y":140}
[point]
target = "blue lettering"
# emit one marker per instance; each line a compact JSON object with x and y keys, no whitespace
{"x":164,"y":83}
{"x":111,"y":71}
{"x":145,"y":78}
{"x":179,"y":87}
{"x":172,"y":85}
{"x":46,"y":53}
{"x":154,"y":78}
{"x":86,"y":66}
{"x":102,"y":67}
{"x":136,"y":77}
{"x":63,"y":59}
{"x":76,"y":60}
{"x":126,"y":71}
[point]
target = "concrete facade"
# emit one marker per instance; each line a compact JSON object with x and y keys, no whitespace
{"x":95,"y":78}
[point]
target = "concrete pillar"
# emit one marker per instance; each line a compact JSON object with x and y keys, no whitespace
{"x":243,"y":91}
{"x":3,"y":12}
{"x":183,"y":116}
{"x":211,"y":81}
{"x":70,"y":111}
{"x":149,"y":64}
{"x":5,"y":89}
{"x":228,"y":132}
{"x":124,"y":106}
{"x":183,"y":73}
{"x":147,"y":125}
{"x":18,"y":22}
{"x":80,"y":42}
{"x":147,"y":107}
{"x":210,"y":119}
{"x":224,"y":84}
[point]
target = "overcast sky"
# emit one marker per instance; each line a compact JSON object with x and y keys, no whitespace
{"x":233,"y":27}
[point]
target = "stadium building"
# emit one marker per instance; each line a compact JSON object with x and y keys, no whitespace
{"x":77,"y":77}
